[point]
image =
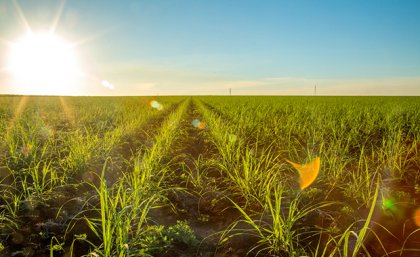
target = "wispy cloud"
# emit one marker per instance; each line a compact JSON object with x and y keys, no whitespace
{"x":134,"y":78}
{"x":305,"y":86}
{"x":382,"y":86}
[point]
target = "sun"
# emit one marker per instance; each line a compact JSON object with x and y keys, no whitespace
{"x":44,"y":64}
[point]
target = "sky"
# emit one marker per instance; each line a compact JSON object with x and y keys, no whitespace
{"x":186,"y":47}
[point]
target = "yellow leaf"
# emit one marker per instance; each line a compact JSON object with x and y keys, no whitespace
{"x":307,"y":172}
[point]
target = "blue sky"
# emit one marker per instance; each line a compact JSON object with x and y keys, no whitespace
{"x":254,"y":47}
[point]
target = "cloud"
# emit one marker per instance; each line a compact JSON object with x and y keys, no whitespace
{"x":378,"y":86}
{"x":142,"y":79}
{"x":305,"y":86}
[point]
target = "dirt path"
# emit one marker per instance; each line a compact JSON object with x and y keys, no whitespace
{"x":203,"y":203}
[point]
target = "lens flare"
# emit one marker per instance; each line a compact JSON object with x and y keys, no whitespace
{"x":156,"y":105}
{"x":388,"y":206}
{"x":198,"y":124}
{"x":195,"y":123}
{"x":202,"y":125}
{"x":307,"y":172}
{"x":416,"y":217}
{"x":107,"y":84}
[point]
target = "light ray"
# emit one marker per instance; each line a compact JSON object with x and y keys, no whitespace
{"x":91,"y":38}
{"x":57,"y":17}
{"x":68,"y":112}
{"x":307,"y":172}
{"x":18,"y":111}
{"x":22,"y":17}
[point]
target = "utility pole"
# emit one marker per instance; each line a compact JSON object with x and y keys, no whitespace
{"x":315,"y":90}
{"x":230,"y":91}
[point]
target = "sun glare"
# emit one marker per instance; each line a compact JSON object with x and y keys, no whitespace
{"x":43,"y":63}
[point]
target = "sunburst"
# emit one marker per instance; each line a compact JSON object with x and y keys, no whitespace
{"x":44,"y":62}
